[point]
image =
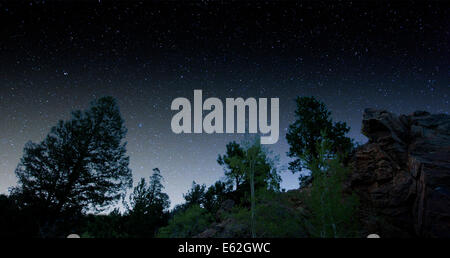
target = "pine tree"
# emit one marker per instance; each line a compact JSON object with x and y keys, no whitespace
{"x":233,"y":174}
{"x":81,"y":165}
{"x":196,"y":195}
{"x":147,"y":206}
{"x":313,"y":117}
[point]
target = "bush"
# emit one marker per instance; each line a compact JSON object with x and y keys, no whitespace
{"x":189,"y":223}
{"x":105,"y":226}
{"x":274,"y":217}
{"x":332,"y":213}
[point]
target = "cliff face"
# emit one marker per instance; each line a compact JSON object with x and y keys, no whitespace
{"x":402,"y":174}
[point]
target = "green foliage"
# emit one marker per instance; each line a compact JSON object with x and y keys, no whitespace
{"x":105,"y":226}
{"x":81,"y":166}
{"x":210,"y":198}
{"x":332,"y":213}
{"x":215,"y":195}
{"x":233,"y":174}
{"x":196,"y":195}
{"x":274,"y":217}
{"x":188,"y":223}
{"x":257,"y":169}
{"x":239,"y":159}
{"x":312,"y":117}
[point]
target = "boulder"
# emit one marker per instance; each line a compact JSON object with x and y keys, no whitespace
{"x":402,"y":174}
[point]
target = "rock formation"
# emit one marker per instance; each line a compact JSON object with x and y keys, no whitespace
{"x":402,"y":174}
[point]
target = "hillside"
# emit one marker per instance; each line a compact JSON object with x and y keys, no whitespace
{"x":401,"y":176}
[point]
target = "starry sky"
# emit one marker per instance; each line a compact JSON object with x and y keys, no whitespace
{"x":58,"y":56}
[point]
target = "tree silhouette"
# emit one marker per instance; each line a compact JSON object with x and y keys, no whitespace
{"x":146,"y":209}
{"x":334,"y":214}
{"x":145,"y":197}
{"x":215,"y":195}
{"x":237,"y":163}
{"x":208,"y":198}
{"x":259,"y":173}
{"x":312,"y":117}
{"x":196,"y":195}
{"x":81,"y":165}
{"x":233,"y":174}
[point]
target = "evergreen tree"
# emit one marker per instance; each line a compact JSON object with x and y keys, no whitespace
{"x":196,"y":195}
{"x":215,"y":195}
{"x":147,"y":207}
{"x":233,"y":174}
{"x":81,"y":164}
{"x":312,"y":117}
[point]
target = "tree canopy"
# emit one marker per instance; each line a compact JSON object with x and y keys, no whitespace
{"x":313,"y":118}
{"x":237,"y":161}
{"x":80,"y":165}
{"x":333,"y":212}
{"x":147,"y":207}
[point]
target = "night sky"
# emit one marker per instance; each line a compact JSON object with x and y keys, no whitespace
{"x":58,"y":56}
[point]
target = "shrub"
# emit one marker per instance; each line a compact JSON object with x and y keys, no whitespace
{"x":189,"y":223}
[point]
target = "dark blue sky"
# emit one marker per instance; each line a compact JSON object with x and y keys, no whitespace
{"x":58,"y":56}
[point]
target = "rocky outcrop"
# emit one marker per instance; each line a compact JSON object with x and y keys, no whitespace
{"x":402,"y":174}
{"x":280,"y":215}
{"x":226,"y":227}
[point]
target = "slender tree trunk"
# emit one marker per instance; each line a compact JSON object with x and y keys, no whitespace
{"x":252,"y":190}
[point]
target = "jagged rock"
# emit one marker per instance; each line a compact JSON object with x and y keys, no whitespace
{"x":403,"y":174}
{"x":208,"y":233}
{"x":225,"y":207}
{"x":227,"y":228}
